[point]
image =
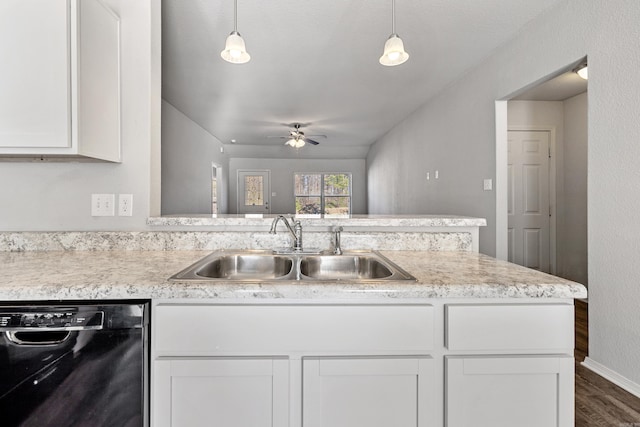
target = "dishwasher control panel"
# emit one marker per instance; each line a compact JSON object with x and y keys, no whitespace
{"x":60,"y":320}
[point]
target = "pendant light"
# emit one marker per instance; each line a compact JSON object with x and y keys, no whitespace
{"x":394,"y":53}
{"x":234,"y":48}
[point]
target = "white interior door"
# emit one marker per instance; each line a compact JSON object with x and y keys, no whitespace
{"x":254,"y":189}
{"x":528,"y":199}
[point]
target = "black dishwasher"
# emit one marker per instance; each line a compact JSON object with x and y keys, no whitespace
{"x":74,"y":364}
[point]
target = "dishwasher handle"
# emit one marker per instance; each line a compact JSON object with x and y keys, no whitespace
{"x":37,"y":338}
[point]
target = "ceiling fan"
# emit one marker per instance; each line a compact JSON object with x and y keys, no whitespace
{"x":297,"y":138}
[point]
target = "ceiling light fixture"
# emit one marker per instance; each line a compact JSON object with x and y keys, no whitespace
{"x":296,"y":142}
{"x":394,"y":53}
{"x":234,"y":48}
{"x":583,"y":71}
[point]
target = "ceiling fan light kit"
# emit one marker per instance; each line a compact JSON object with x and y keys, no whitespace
{"x":295,"y":142}
{"x":235,"y":51}
{"x":297,"y":138}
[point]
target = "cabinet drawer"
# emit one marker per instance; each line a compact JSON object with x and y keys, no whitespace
{"x":184,"y":329}
{"x":514,"y":327}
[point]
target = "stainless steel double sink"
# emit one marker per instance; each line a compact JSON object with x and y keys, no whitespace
{"x":267,"y":266}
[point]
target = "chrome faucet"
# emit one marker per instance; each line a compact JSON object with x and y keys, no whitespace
{"x":337,"y":250}
{"x":295,"y":230}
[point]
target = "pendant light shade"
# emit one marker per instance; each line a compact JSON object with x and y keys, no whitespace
{"x":394,"y":53}
{"x":234,"y":48}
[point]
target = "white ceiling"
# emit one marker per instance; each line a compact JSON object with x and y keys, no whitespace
{"x":316,"y":63}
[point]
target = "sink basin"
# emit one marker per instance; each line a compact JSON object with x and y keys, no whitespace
{"x":265,"y":266}
{"x":344,"y":267}
{"x":239,"y":267}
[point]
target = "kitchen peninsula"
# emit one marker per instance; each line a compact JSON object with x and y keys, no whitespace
{"x":472,"y":341}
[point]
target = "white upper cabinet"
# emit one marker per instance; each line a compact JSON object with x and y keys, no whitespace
{"x":60,"y":79}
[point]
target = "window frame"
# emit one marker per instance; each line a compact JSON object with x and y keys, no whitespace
{"x":322,"y":194}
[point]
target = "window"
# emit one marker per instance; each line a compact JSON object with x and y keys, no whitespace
{"x":318,"y":193}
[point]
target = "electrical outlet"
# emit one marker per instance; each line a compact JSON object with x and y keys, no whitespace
{"x":125,"y":205}
{"x":103,"y":204}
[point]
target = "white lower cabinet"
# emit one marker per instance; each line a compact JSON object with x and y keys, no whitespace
{"x":371,"y":392}
{"x":507,"y":391}
{"x":221,"y":392}
{"x":431,"y":363}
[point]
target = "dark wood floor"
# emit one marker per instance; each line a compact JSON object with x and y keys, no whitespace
{"x":599,"y":402}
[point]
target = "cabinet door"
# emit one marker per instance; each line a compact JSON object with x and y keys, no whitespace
{"x":221,"y":392}
{"x":509,"y":391}
{"x":368,"y":392}
{"x":35,"y":109}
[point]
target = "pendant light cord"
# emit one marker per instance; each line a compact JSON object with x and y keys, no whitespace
{"x":393,"y":16}
{"x":235,"y":16}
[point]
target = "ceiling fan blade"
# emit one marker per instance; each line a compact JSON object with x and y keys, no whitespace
{"x":311,"y":141}
{"x":280,"y":137}
{"x":318,"y":136}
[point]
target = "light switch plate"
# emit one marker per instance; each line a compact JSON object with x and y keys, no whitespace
{"x":488,"y":184}
{"x":103,"y":204}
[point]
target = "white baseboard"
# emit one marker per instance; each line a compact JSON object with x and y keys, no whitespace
{"x":612,"y":376}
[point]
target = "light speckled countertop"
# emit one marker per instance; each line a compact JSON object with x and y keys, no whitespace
{"x":59,"y":275}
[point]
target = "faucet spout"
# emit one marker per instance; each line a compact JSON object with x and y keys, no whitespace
{"x":295,"y":230}
{"x":337,"y":249}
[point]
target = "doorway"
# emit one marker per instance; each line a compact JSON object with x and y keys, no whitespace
{"x":563,"y":112}
{"x":254,"y":191}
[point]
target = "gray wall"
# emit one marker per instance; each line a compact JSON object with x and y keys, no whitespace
{"x":282,"y":171}
{"x":187,"y":154}
{"x":456,"y":132}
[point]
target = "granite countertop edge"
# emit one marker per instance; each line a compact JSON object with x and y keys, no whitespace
{"x":100,"y":275}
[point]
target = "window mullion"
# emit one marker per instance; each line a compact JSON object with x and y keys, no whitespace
{"x":322,"y":194}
